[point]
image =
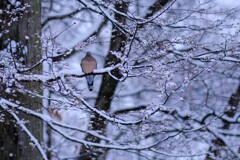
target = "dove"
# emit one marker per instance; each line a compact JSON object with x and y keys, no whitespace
{"x":88,"y":64}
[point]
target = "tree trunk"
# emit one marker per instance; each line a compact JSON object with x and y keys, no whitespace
{"x":108,"y":85}
{"x":219,"y":143}
{"x":15,"y":144}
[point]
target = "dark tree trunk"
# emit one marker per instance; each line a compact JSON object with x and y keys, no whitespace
{"x":15,"y":144}
{"x":109,"y":84}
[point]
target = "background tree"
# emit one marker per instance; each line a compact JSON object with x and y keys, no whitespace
{"x":20,"y":46}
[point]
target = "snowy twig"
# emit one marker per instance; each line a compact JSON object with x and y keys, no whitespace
{"x":113,"y":146}
{"x":101,"y":113}
{"x":177,"y":155}
{"x":57,"y":76}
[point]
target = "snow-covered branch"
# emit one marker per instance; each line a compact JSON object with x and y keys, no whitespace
{"x":53,"y":124}
{"x":57,"y":76}
{"x":24,"y":128}
{"x":46,"y":118}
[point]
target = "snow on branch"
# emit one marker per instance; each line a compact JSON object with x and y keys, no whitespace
{"x":24,"y":128}
{"x":101,"y":113}
{"x":50,"y":120}
{"x":129,"y":16}
{"x":52,"y":123}
{"x":57,"y":76}
{"x":97,"y":8}
{"x":114,"y":146}
{"x":177,"y":155}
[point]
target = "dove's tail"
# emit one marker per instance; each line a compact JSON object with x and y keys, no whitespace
{"x":90,"y":82}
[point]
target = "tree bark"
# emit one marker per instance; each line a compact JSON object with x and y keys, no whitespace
{"x":219,"y":143}
{"x":15,"y":144}
{"x":109,"y":84}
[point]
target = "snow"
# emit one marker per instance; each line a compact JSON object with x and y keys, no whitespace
{"x":179,"y":71}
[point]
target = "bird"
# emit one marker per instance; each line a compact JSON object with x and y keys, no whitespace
{"x":88,"y":64}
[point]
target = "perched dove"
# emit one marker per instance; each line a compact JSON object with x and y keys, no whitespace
{"x":88,"y":64}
